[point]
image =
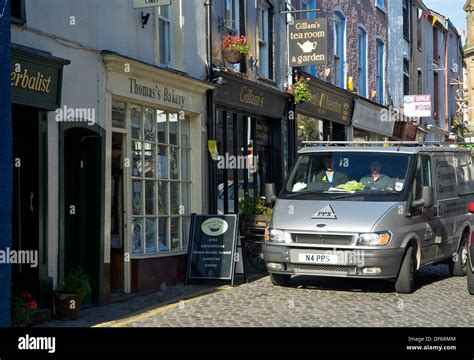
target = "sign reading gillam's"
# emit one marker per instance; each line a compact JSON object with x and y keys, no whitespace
{"x":308,"y":42}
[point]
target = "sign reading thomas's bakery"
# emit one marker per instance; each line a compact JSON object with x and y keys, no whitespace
{"x":157,"y":92}
{"x":248,"y":96}
{"x":308,"y":42}
{"x":212,"y":246}
{"x":36,"y":79}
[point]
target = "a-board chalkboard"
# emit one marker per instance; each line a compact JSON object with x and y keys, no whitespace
{"x":212,"y":246}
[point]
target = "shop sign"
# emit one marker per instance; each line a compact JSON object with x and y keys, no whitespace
{"x":36,"y":81}
{"x":157,"y":92}
{"x":138,"y":4}
{"x":252,"y":98}
{"x":308,"y":42}
{"x":327,"y":104}
{"x":417,"y":105}
{"x":212,"y":247}
{"x":368,"y":116}
{"x":405,"y":131}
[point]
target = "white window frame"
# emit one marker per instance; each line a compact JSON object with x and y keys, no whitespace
{"x":166,"y":48}
{"x":340,"y":19}
{"x":234,"y":19}
{"x":263,"y":13}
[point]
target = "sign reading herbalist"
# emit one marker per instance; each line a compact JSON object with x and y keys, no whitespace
{"x":212,"y":247}
{"x":308,"y":42}
{"x":36,"y":79}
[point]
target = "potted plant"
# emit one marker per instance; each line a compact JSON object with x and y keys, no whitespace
{"x":69,"y":295}
{"x":234,"y":47}
{"x":255,"y":219}
{"x":300,"y":90}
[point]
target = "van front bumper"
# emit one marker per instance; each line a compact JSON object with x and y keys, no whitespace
{"x":352,"y":262}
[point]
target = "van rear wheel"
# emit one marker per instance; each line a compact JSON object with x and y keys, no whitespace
{"x":280,"y":279}
{"x":470,"y":280}
{"x":405,"y":283}
{"x":458,"y":265}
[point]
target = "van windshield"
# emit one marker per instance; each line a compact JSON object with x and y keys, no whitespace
{"x":342,"y":175}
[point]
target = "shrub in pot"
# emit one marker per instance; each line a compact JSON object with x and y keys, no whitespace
{"x":69,"y":295}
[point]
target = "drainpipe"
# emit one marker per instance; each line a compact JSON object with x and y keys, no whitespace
{"x":210,"y":108}
{"x":446,"y":79}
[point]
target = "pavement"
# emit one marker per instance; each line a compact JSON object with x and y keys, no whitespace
{"x":439,"y":301}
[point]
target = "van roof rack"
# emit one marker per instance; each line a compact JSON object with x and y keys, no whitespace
{"x":390,"y":143}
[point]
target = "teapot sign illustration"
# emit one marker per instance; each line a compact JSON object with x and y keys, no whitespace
{"x":308,"y":46}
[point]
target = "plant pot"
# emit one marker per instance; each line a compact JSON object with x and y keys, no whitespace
{"x":232,"y":57}
{"x":67,"y":305}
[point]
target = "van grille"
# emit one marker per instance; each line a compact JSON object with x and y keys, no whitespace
{"x":324,"y":268}
{"x":323,"y":239}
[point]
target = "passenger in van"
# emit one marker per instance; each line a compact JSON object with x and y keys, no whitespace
{"x":377,"y":180}
{"x":328,"y":175}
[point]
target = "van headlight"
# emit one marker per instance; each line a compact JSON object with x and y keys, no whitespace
{"x":273,"y":235}
{"x":374,"y":239}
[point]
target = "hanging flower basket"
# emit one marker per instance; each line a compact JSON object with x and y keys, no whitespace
{"x":232,"y":57}
{"x":234,"y":48}
{"x":300,"y":90}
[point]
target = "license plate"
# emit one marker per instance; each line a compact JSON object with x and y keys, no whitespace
{"x":318,"y":258}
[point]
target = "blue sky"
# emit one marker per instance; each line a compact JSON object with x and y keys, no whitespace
{"x":450,"y":8}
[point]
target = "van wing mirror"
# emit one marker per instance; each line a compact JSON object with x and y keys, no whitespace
{"x":426,"y":198}
{"x":270,"y":194}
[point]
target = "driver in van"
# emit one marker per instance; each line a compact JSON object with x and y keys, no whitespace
{"x":377,"y":180}
{"x":328,"y":175}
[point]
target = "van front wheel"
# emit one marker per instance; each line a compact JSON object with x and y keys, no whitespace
{"x":280,"y":279}
{"x":405,"y":283}
{"x":458,"y":265}
{"x":470,"y":280}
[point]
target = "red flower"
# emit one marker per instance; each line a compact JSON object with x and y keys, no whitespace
{"x":32,"y":305}
{"x":26,"y":295}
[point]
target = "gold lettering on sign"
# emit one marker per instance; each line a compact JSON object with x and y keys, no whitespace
{"x":247,"y":96}
{"x":36,"y":82}
{"x":325,"y":102}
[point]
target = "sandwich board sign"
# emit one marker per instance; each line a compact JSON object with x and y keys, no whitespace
{"x":213,"y":252}
{"x":139,"y":4}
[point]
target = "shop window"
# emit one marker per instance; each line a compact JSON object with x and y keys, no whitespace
{"x":362,"y":62}
{"x":379,"y":70}
{"x":118,"y":114}
{"x":17,"y":10}
{"x":339,"y":49}
{"x":164,"y":29}
{"x":265,"y":39}
{"x":406,"y":77}
{"x":161,"y":181}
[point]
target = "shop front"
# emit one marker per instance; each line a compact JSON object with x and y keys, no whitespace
{"x":36,"y":84}
{"x":371,"y":121}
{"x":326,"y":116}
{"x":247,"y":142}
{"x":155,"y":153}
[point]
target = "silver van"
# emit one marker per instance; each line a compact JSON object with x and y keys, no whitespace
{"x":371,"y":212}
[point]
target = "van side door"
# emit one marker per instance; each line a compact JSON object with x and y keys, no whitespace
{"x":447,"y":203}
{"x":424,"y":177}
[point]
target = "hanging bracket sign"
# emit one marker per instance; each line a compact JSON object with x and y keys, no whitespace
{"x":212,"y":247}
{"x":307,"y":41}
{"x":139,"y":4}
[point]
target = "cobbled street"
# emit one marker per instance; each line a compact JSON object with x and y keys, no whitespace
{"x":440,"y":300}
